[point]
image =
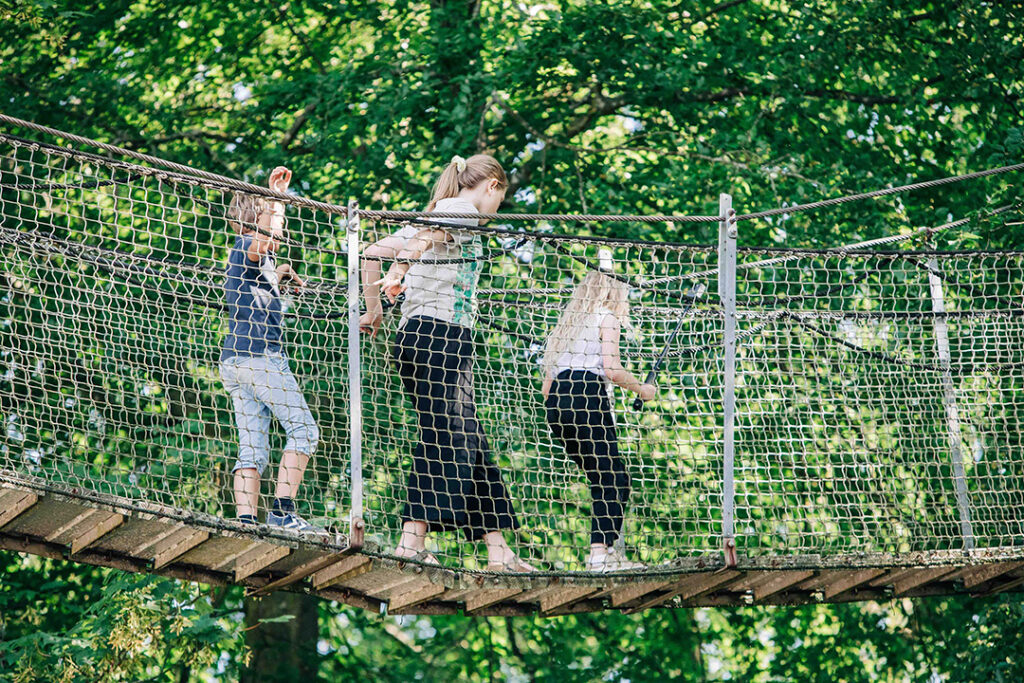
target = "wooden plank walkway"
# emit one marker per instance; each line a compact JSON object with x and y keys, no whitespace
{"x":141,"y":537}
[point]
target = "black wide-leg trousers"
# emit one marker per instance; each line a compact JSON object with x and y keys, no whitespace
{"x":454,"y":482}
{"x":580,"y":416}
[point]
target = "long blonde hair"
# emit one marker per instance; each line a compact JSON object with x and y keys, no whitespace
{"x":474,"y":170}
{"x":594,"y":292}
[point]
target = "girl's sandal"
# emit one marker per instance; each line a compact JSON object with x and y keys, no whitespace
{"x":424,"y":556}
{"x":514,"y":565}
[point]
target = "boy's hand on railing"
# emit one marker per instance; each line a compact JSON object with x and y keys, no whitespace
{"x":287,"y":274}
{"x":280,"y":177}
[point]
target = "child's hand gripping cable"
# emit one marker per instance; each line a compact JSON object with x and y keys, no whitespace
{"x":695,"y":293}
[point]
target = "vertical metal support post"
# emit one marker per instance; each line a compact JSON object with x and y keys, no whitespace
{"x":356,"y":528}
{"x":949,"y":401}
{"x":727,"y":236}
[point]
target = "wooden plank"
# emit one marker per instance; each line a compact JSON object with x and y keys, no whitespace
{"x":351,"y":566}
{"x":159,"y":541}
{"x":96,"y":532}
{"x":485,"y":597}
{"x":564,"y":596}
{"x":849,"y":581}
{"x":779,"y":581}
{"x":225,"y":563}
{"x":976,"y":575}
{"x":13,"y":503}
{"x":300,"y":572}
{"x":822,"y":578}
{"x":352,"y":598}
{"x":689,"y":587}
{"x":49,"y":514}
{"x":454,"y":594}
{"x":259,"y":558}
{"x":745,"y":583}
{"x":890,"y":577}
{"x":534,"y":594}
{"x":919,"y":578}
{"x":1005,"y":586}
{"x":379,"y":580}
{"x":81,"y":517}
{"x":392,"y":581}
{"x":177,"y":546}
{"x":624,"y":595}
{"x":101,"y":559}
{"x":430,"y":607}
{"x":578,"y":607}
{"x":414,"y":596}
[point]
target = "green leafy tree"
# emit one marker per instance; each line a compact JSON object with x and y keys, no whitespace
{"x":648,"y":107}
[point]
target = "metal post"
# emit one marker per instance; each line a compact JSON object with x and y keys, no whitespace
{"x":355,"y":540}
{"x":949,"y":401}
{"x":727,"y":235}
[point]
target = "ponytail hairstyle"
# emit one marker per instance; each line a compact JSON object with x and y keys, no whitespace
{"x":595,"y":292}
{"x":461,"y":173}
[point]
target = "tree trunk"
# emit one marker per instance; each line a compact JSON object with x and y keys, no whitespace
{"x":282,"y":651}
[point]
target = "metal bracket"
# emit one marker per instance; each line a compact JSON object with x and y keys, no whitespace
{"x":729,"y":551}
{"x":356,"y":537}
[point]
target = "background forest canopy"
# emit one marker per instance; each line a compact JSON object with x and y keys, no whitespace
{"x":626,"y":107}
{"x":618,"y":107}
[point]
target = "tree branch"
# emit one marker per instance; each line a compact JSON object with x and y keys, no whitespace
{"x":721,"y":8}
{"x":724,"y":160}
{"x":301,"y":37}
{"x":289,"y":136}
{"x":184,"y":135}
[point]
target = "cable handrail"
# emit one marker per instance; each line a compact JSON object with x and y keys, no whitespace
{"x":381,"y":214}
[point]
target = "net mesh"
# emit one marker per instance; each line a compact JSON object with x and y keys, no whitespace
{"x":877,"y":393}
{"x":113,"y":318}
{"x":671,"y":450}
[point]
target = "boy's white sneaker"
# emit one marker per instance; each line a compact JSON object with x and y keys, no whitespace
{"x":612,"y":561}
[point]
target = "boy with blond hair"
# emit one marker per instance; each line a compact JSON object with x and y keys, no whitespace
{"x":253,"y":365}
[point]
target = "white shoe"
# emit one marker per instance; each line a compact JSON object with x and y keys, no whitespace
{"x":612,"y":561}
{"x":292,"y":522}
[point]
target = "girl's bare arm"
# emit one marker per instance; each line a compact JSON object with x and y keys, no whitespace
{"x":385,"y":249}
{"x":423,"y":241}
{"x":613,"y":370}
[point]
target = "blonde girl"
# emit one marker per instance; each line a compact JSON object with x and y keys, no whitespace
{"x":581,"y":357}
{"x":454,"y":482}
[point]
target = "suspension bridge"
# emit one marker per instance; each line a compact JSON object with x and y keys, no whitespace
{"x":831,"y":424}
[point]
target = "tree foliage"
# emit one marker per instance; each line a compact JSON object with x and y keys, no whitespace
{"x":614,"y":107}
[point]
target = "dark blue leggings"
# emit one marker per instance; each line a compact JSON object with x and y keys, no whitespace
{"x":580,"y":416}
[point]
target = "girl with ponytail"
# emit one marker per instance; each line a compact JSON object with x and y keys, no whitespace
{"x":454,"y":483}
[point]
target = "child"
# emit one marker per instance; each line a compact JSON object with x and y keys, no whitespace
{"x":454,"y":482}
{"x":580,"y":358}
{"x":253,"y":366}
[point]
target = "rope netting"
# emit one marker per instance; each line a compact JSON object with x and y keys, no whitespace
{"x":879,"y":394}
{"x":114,"y":314}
